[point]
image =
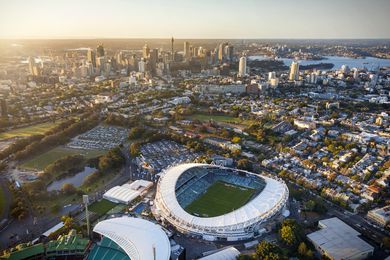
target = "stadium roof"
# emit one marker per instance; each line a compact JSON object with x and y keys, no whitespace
{"x":139,"y":238}
{"x":53,"y":229}
{"x":229,"y":253}
{"x":268,"y":200}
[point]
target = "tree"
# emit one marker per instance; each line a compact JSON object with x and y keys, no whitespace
{"x":386,"y":242}
{"x":134,"y":149}
{"x":309,"y":205}
{"x":68,"y":222}
{"x":246,"y":257}
{"x":304,"y":251}
{"x":287,"y":235}
{"x":135,"y":133}
{"x":55,"y":209}
{"x":268,"y":251}
{"x":68,"y":188}
{"x":104,"y":163}
{"x":244,"y":164}
{"x":290,"y":233}
{"x":111,"y":160}
{"x":236,"y":139}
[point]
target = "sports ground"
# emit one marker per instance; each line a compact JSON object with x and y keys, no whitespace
{"x":41,"y":161}
{"x":30,"y":130}
{"x":220,"y":198}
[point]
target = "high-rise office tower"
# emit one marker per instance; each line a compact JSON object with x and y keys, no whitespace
{"x":221,"y":52}
{"x":31,"y":65}
{"x":100,"y":50}
{"x":356,"y":74}
{"x":229,"y":51}
{"x":242,"y":67}
{"x":145,"y":51}
{"x":313,"y":78}
{"x":294,"y":71}
{"x":142,"y":65}
{"x":187,"y":53}
{"x":271,"y":75}
{"x":172,"y":52}
{"x":345,"y":69}
{"x":119,"y":58}
{"x":153,"y":58}
{"x":133,"y":62}
{"x":91,"y":57}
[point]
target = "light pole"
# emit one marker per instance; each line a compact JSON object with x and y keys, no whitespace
{"x":86,"y":201}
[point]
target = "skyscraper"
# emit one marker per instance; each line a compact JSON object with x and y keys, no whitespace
{"x":187,"y":53}
{"x":91,"y":57}
{"x":133,"y":62}
{"x":31,"y":64}
{"x":271,"y":75}
{"x":221,"y":52}
{"x":153,"y":58}
{"x":242,"y":67}
{"x":100,"y":50}
{"x":294,"y":71}
{"x":145,"y":51}
{"x":142,"y":65}
{"x":172,"y":52}
{"x":229,"y":50}
{"x":356,"y":74}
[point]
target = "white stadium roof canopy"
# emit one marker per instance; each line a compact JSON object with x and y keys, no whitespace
{"x":139,"y":238}
{"x":228,"y":253}
{"x":270,"y":199}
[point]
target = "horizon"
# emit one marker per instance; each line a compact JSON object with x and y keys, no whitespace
{"x":247,"y":19}
{"x":180,"y":38}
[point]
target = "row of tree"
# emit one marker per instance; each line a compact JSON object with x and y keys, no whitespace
{"x":58,"y":138}
{"x":19,"y":205}
{"x":20,"y":144}
{"x":67,"y":165}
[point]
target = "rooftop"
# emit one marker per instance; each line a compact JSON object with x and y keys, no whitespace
{"x":384,"y":212}
{"x":339,"y":240}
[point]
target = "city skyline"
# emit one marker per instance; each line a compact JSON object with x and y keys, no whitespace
{"x":44,"y":19}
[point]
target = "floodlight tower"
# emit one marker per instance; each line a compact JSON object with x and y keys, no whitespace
{"x":86,"y":201}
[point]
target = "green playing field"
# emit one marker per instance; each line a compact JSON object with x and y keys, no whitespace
{"x":220,"y":198}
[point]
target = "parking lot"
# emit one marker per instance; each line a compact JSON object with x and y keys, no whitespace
{"x":100,"y":138}
{"x":160,"y":155}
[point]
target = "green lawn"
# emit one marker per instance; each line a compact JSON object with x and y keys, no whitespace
{"x":101,"y":207}
{"x":30,"y":130}
{"x":43,"y":160}
{"x":219,"y":199}
{"x":217,"y":118}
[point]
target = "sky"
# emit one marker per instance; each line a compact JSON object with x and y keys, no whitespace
{"x":216,"y":19}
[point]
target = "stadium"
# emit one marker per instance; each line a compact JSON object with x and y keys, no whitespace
{"x":128,"y":238}
{"x":217,"y":203}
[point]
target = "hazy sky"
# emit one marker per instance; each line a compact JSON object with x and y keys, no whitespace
{"x":195,"y":18}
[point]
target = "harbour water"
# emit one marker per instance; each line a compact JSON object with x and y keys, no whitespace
{"x":360,"y":63}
